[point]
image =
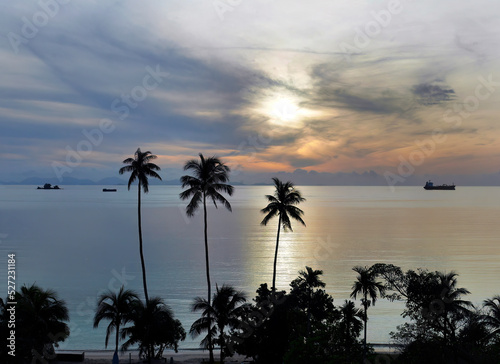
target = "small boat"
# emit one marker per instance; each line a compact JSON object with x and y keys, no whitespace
{"x":109,"y":190}
{"x":48,"y":186}
{"x":430,"y":186}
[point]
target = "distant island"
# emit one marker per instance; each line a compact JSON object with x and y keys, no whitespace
{"x":48,"y":186}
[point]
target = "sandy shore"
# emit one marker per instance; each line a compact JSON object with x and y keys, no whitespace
{"x":132,"y":357}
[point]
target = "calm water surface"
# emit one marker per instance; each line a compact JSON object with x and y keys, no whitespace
{"x":80,"y":241}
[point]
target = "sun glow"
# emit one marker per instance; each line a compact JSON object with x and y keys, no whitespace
{"x":286,"y":110}
{"x":282,"y":110}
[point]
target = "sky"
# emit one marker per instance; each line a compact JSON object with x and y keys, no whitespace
{"x":397,"y":88}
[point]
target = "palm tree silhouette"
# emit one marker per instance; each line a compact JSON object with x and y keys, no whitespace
{"x":308,"y":280}
{"x":153,"y":326}
{"x":209,"y":180}
{"x":141,"y":168}
{"x":225,"y":309}
{"x":39,"y":320}
{"x":367,"y":286}
{"x":351,"y":320}
{"x":116,"y":308}
{"x":493,"y":317}
{"x":449,"y":302}
{"x":282,"y":203}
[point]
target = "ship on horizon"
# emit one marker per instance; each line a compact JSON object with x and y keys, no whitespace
{"x":429,"y":185}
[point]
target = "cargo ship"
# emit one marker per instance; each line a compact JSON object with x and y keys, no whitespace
{"x":430,"y":186}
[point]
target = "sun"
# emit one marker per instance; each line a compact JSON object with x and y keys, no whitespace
{"x":285,"y":109}
{"x":282,"y":110}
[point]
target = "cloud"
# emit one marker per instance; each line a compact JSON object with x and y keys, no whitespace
{"x":431,"y":94}
{"x":226,"y":76}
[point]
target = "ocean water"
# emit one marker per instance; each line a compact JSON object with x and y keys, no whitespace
{"x":80,"y":241}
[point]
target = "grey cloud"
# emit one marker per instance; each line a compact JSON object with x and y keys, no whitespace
{"x":428,"y":94}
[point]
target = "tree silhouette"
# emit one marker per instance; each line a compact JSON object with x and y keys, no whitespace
{"x":450,"y":305}
{"x":141,"y":168}
{"x":153,"y":328}
{"x":209,"y":180}
{"x":367,"y":286}
{"x":40,"y":325}
{"x":307,"y":281}
{"x":351,"y":320}
{"x":225,"y":310}
{"x":116,"y":308}
{"x":493,"y":317}
{"x":282,"y":204}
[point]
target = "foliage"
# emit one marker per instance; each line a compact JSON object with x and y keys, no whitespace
{"x":39,"y":324}
{"x":153,"y":328}
{"x":301,"y":326}
{"x":209,"y":180}
{"x":140,"y":168}
{"x":114,"y":307}
{"x":443,"y":327}
{"x":225,"y":310}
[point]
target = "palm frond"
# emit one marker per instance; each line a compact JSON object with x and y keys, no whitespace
{"x":272,"y":213}
{"x":194,"y":203}
{"x":295,"y":213}
{"x":217,"y":197}
{"x":285,"y":221}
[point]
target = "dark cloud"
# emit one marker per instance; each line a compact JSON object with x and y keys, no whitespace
{"x":428,"y":94}
{"x":332,"y":89}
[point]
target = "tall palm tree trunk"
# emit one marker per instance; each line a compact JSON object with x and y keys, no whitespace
{"x":308,"y":333}
{"x":276,"y":255}
{"x":117,"y":336}
{"x":365,"y":319}
{"x":210,"y":348}
{"x":221,"y":346}
{"x":140,"y":245}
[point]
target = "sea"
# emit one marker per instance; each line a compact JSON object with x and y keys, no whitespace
{"x":80,"y":242}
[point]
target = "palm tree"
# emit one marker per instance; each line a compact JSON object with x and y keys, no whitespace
{"x":153,"y":328}
{"x":308,"y":280}
{"x":116,"y":308}
{"x":493,"y":317}
{"x":453,"y":307}
{"x":351,"y":320}
{"x":282,"y":204}
{"x":367,"y":286}
{"x":141,"y":168}
{"x":225,"y":309}
{"x":39,"y":321}
{"x":209,"y":180}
